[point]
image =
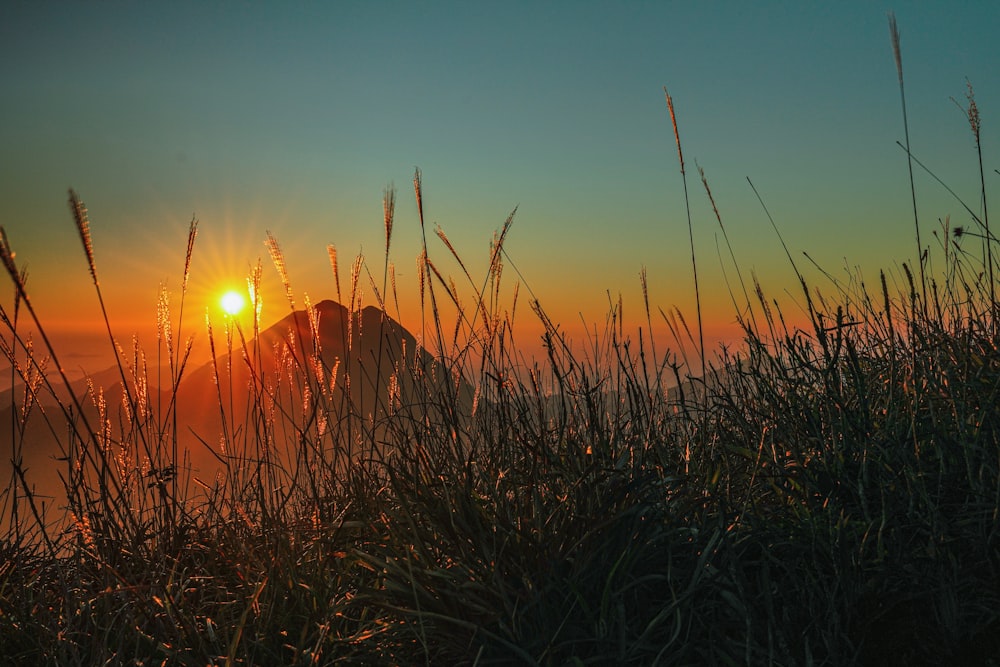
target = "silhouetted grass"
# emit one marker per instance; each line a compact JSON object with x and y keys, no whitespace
{"x":827,"y":494}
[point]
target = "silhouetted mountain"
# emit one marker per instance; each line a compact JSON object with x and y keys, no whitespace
{"x":303,"y":375}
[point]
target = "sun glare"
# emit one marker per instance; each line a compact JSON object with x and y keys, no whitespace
{"x":232,"y":302}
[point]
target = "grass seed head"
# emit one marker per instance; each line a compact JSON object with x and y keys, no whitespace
{"x":192,"y":233}
{"x":388,"y":211}
{"x":279,"y":263}
{"x":894,"y":38}
{"x":83,"y":227}
{"x":331,"y":250}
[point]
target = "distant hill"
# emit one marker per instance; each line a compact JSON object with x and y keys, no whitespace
{"x":267,"y":390}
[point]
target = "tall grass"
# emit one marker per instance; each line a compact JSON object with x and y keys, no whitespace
{"x":828,"y":494}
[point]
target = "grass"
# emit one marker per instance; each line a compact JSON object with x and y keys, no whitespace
{"x":827,"y":495}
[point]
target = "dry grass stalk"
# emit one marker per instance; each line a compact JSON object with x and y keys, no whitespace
{"x":975,"y":124}
{"x":278,"y":259}
{"x":897,"y":55}
{"x":331,"y":250}
{"x":256,"y":298}
{"x":687,"y":207}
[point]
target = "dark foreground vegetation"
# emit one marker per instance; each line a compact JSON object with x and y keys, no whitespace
{"x":829,"y":494}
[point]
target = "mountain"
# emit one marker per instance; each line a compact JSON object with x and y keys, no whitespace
{"x":286,"y":386}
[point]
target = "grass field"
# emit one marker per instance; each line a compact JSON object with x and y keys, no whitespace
{"x":826,"y":494}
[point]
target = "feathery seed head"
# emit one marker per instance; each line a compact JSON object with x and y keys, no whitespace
{"x":894,"y":37}
{"x":253,"y":289}
{"x":673,"y":121}
{"x":355,"y":274}
{"x":279,"y":263}
{"x":331,"y":250}
{"x":973,"y":111}
{"x":163,"y":331}
{"x":497,"y":247}
{"x":313,"y":316}
{"x":192,"y":233}
{"x":645,"y":287}
{"x":418,"y":190}
{"x":708,"y":191}
{"x":388,"y":210}
{"x":83,"y":227}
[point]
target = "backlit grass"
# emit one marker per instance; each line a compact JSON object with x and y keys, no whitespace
{"x":824,"y":494}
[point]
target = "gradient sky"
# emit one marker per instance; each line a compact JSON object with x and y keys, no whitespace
{"x":293,"y":118}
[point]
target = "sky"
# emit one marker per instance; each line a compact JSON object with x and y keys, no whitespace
{"x":293,"y":119}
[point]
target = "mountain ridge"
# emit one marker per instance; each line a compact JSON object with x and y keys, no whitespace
{"x":350,"y":362}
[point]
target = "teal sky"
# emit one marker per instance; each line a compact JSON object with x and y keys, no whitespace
{"x":293,"y":118}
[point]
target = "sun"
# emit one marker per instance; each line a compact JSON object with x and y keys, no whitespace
{"x":232,"y":302}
